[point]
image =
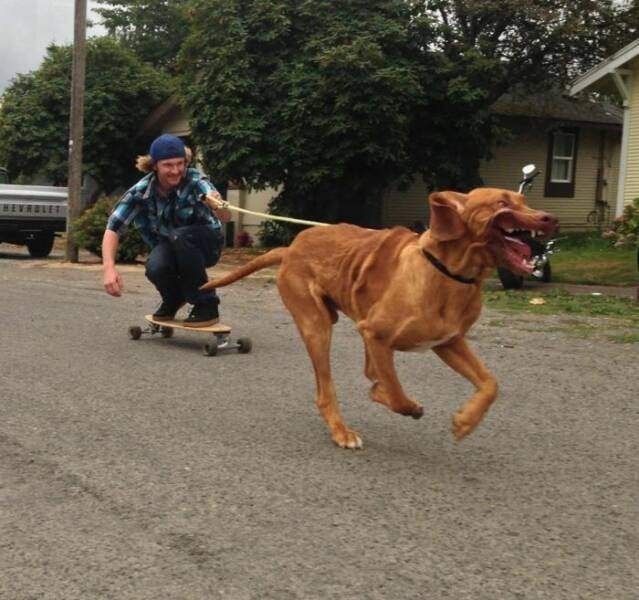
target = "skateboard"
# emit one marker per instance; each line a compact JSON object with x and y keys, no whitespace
{"x":221,"y":335}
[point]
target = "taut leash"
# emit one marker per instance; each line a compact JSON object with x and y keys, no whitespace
{"x":272,"y":217}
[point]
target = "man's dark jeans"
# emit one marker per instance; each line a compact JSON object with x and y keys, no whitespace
{"x":177,"y":265}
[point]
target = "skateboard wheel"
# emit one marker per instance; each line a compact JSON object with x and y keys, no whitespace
{"x":244,"y":345}
{"x":166,"y":332}
{"x":210,"y":349}
{"x":135,"y":332}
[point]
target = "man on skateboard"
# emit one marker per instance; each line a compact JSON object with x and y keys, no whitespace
{"x":179,"y":213}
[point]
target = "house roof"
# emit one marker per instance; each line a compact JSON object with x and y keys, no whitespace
{"x":558,"y":107}
{"x":596,"y":78}
{"x":158,"y":116}
{"x":541,"y":105}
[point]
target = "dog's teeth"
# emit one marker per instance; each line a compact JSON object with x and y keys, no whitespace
{"x":533,"y":234}
{"x":510,"y":230}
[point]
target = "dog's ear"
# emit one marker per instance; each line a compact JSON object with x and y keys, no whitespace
{"x":446,"y":223}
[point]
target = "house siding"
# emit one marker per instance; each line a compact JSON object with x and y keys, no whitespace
{"x":531,"y":146}
{"x":503,"y":170}
{"x":176,"y":123}
{"x":254,"y":200}
{"x":407,"y":206}
{"x":612,"y":176}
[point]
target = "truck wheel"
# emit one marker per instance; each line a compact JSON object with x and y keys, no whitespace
{"x":509,"y":280}
{"x":41,"y":244}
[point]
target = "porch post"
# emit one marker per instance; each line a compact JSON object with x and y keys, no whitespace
{"x":623,"y":87}
{"x":623,"y":161}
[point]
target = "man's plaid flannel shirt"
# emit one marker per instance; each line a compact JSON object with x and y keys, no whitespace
{"x":156,"y":215}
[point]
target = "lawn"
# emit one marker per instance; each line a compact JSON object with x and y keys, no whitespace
{"x":587,"y":258}
{"x":560,"y":301}
{"x":584,"y":315}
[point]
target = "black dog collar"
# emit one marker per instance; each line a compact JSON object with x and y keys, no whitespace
{"x":441,"y":267}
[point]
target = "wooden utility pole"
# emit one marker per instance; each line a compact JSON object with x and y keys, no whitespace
{"x":76,"y":124}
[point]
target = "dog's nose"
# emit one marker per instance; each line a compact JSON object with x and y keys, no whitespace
{"x":549,"y":221}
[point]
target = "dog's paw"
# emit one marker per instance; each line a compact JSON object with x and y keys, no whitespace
{"x":418,"y":413}
{"x":404,"y":406}
{"x":463,"y":425}
{"x":347,"y":438}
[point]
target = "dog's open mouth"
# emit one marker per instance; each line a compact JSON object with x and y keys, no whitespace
{"x":511,"y":235}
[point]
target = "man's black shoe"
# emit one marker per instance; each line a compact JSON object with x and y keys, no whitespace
{"x":202,"y":315}
{"x":166,"y":311}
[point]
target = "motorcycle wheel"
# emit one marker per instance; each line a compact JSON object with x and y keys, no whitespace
{"x":509,"y":280}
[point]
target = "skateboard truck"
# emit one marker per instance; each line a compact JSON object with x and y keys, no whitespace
{"x":220,"y":340}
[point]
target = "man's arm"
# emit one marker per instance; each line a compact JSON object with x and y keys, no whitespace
{"x":113,"y":283}
{"x":123,"y":213}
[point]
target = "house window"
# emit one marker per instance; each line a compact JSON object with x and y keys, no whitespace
{"x":562,"y":159}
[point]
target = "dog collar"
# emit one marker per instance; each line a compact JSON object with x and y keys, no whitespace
{"x":441,"y":267}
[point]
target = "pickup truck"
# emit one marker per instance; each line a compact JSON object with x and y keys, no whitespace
{"x":31,"y":215}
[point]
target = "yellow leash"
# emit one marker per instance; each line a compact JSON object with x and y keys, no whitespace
{"x":272,"y":217}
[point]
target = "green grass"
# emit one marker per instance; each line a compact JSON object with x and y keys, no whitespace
{"x":625,"y":338}
{"x":559,"y":301}
{"x":581,"y":315}
{"x":587,"y":258}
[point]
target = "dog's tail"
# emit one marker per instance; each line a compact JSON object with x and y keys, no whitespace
{"x":274,"y":257}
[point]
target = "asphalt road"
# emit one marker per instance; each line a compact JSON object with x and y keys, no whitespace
{"x":145,"y":470}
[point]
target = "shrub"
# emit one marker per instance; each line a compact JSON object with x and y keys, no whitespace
{"x":88,"y":230}
{"x":625,"y":229}
{"x":273,"y":233}
{"x":244,"y":239}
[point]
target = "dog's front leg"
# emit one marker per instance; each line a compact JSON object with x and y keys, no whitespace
{"x":460,"y":357}
{"x":380,"y":370}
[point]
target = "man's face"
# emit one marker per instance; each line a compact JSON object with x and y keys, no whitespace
{"x":170,"y":172}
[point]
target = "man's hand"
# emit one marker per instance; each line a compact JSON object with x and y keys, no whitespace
{"x":113,"y":283}
{"x":218,"y":205}
{"x":215,"y":201}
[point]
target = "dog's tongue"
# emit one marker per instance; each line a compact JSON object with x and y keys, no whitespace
{"x":518,"y":254}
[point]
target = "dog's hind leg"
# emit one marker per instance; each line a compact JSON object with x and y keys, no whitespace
{"x":460,"y":357}
{"x":380,"y":370}
{"x":315,"y":321}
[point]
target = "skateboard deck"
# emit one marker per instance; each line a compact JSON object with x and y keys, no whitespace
{"x":220,"y":338}
{"x":178,"y":324}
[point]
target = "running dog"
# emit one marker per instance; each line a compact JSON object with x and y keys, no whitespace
{"x":405,"y":292}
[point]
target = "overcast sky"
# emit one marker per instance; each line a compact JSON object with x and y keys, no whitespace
{"x":27,"y":27}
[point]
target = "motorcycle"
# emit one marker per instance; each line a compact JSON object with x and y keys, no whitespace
{"x":540,"y":251}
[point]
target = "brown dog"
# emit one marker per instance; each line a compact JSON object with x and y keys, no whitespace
{"x":405,"y":292}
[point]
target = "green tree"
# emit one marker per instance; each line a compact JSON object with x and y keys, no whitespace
{"x":624,"y":29}
{"x":314,"y":95}
{"x":336,"y":100}
{"x":153,"y":29}
{"x":34,"y":114}
{"x":536,"y":43}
